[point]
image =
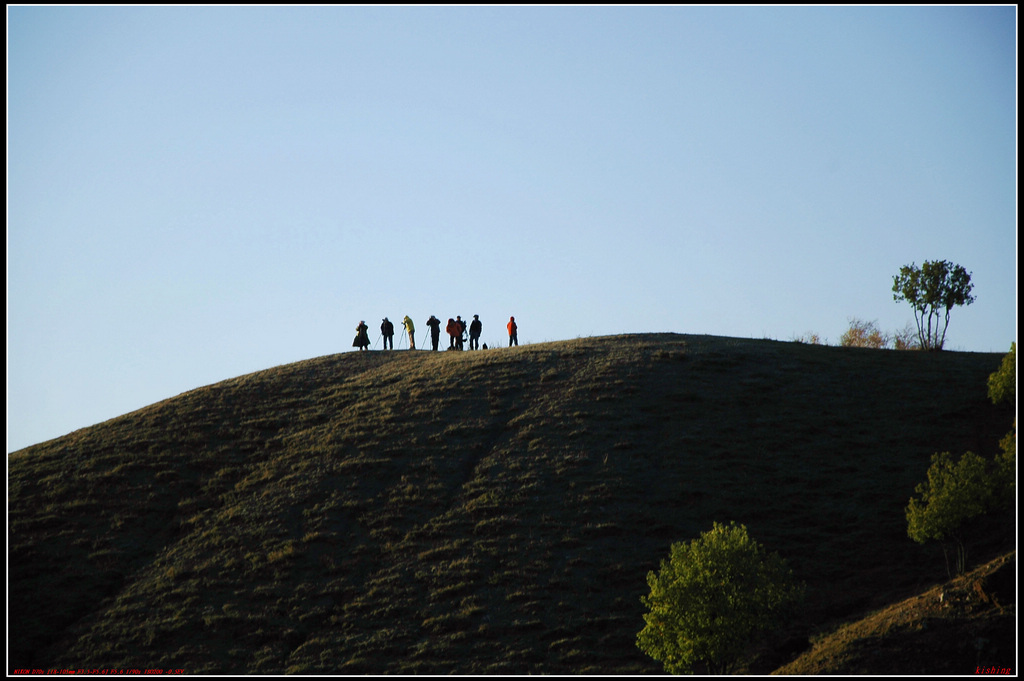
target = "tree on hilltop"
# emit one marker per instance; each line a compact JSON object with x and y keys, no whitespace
{"x":933,"y":291}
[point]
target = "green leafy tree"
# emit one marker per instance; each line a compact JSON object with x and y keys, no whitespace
{"x":1002,"y":387}
{"x":1002,"y":383}
{"x":712,"y":597}
{"x":955,"y":492}
{"x":933,"y":291}
{"x":1006,"y":470}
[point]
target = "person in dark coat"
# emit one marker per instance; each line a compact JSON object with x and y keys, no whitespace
{"x":362,"y":340}
{"x":475,"y":327}
{"x":435,"y":330}
{"x":387,"y":330}
{"x":461,"y":339}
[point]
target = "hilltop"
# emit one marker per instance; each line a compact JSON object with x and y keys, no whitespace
{"x":478,"y":512}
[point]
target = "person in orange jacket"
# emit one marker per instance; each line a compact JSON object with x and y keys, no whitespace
{"x":452,"y":330}
{"x":512,"y":332}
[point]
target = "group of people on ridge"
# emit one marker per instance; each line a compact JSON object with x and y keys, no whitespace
{"x":456,"y":330}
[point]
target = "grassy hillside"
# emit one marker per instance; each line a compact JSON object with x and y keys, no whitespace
{"x":964,"y":626}
{"x":484,"y":512}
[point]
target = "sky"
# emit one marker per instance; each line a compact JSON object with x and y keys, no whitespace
{"x":197,"y":193}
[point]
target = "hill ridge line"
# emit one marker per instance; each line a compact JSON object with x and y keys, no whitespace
{"x":476,"y":512}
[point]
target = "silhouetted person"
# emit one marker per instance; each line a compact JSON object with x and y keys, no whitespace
{"x":410,"y":329}
{"x":513,"y":330}
{"x":461,"y":339}
{"x":475,"y":327}
{"x":387,"y":330}
{"x":435,"y":331}
{"x":362,"y":340}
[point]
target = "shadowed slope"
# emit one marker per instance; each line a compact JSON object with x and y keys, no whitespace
{"x":964,"y":626}
{"x":487,"y":512}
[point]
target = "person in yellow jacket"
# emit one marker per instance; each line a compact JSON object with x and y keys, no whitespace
{"x":410,"y":329}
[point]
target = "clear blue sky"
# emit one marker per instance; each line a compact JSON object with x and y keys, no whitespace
{"x":198,"y":193}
